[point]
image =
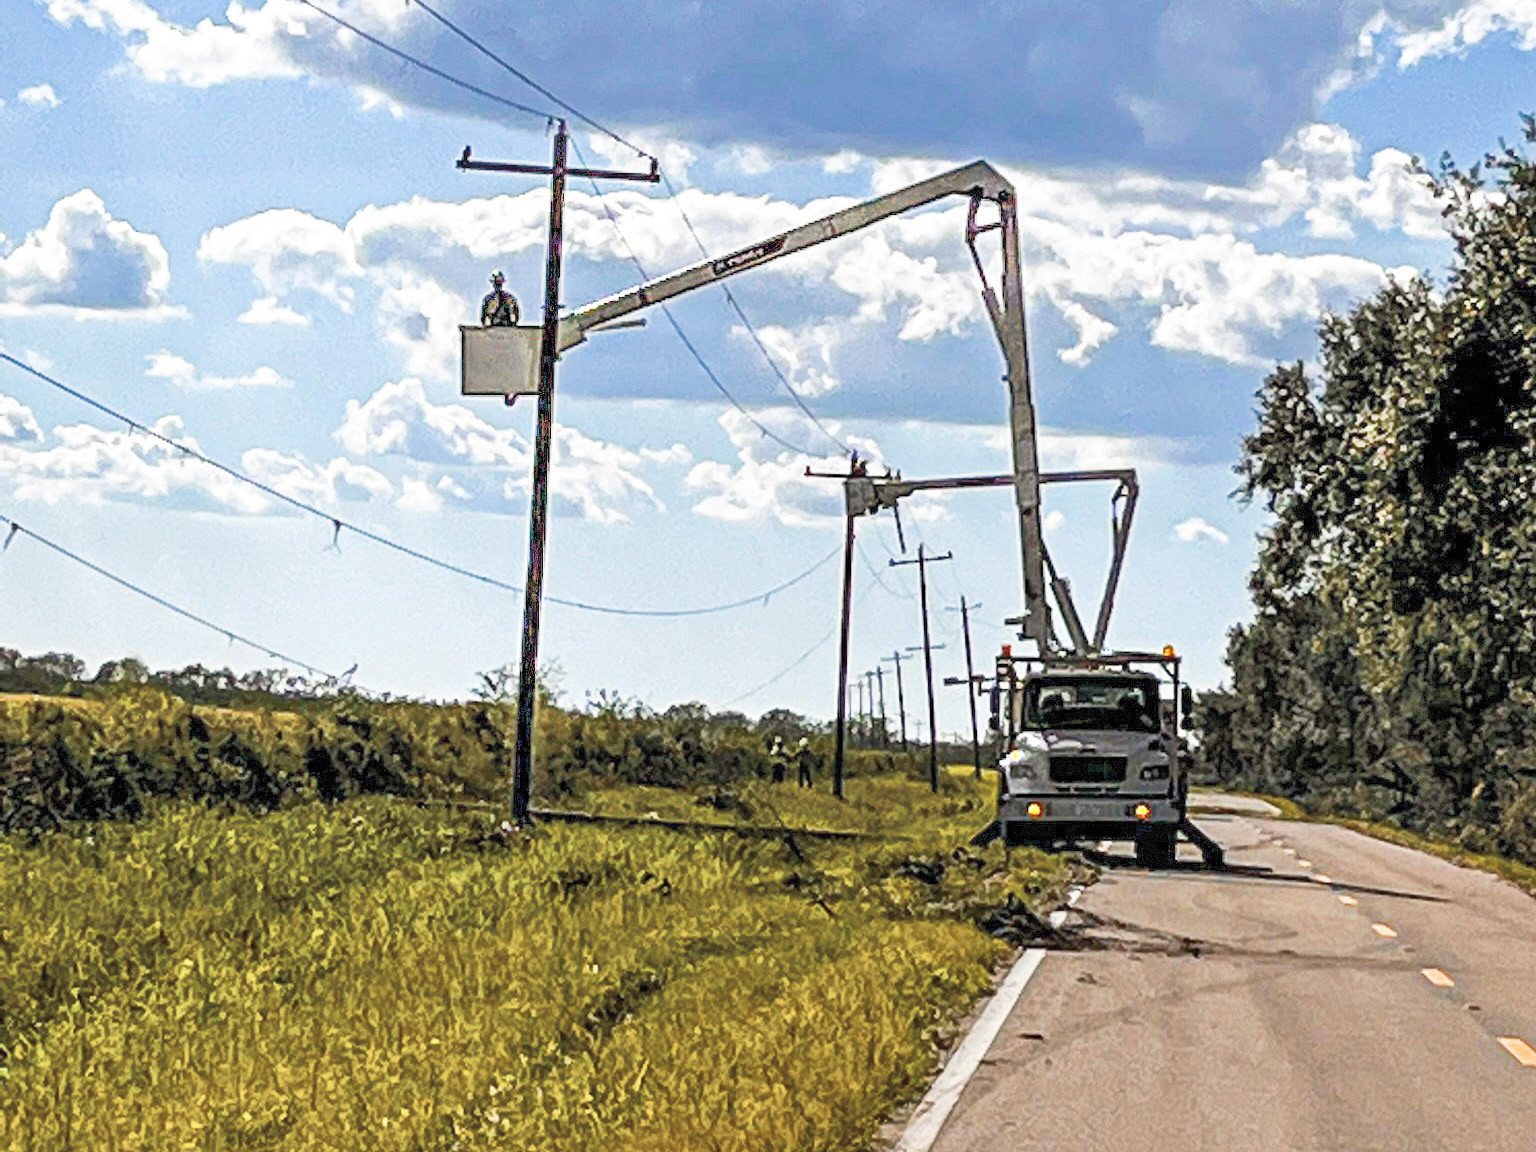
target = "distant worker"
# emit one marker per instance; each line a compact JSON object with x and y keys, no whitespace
{"x":499,"y":309}
{"x":805,"y":760}
{"x":779,"y":759}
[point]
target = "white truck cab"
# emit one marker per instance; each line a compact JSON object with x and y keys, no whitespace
{"x":1089,"y":750}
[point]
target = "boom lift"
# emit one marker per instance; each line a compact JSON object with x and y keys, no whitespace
{"x":1069,"y":773}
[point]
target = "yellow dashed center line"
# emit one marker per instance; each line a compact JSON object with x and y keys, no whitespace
{"x":1304,"y":863}
{"x":1321,"y":878}
{"x":1350,"y":900}
{"x":1438,"y":978}
{"x":1383,"y":931}
{"x":1520,"y":1050}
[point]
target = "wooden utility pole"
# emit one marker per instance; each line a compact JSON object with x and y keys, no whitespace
{"x":885,"y":731}
{"x":922,"y":562}
{"x":970,"y":683}
{"x":549,"y":352}
{"x":856,"y":468}
{"x":901,"y":698}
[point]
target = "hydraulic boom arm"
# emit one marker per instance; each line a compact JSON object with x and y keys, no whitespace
{"x":979,"y":181}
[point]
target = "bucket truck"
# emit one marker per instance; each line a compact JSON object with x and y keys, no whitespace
{"x":1088,"y":748}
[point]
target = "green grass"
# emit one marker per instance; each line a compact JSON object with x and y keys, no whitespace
{"x":376,"y":975}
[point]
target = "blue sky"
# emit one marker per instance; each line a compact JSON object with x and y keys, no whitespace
{"x":245,"y":229}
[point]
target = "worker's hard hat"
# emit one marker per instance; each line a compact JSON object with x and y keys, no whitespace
{"x":497,"y":278}
{"x":804,"y":742}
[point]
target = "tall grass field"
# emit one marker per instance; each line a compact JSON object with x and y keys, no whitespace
{"x":265,"y":968}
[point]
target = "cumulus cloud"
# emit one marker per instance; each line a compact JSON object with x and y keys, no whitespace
{"x":85,"y":262}
{"x":17,"y":424}
{"x":181,"y":372}
{"x":767,"y":480}
{"x":1195,"y":529}
{"x":1204,"y":86}
{"x":266,"y":310}
{"x":39,"y":96}
{"x":469,"y":463}
{"x":82,"y":463}
{"x":1470,"y":25}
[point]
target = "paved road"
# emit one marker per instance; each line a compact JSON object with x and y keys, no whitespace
{"x":1282,"y":1009}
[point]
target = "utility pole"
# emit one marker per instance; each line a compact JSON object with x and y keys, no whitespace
{"x":522,"y":768}
{"x":970,"y":683}
{"x":922,"y":563}
{"x":885,"y":731}
{"x":856,"y":468}
{"x":901,"y":699}
{"x":859,"y":715}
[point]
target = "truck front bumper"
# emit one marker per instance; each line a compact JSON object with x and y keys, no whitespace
{"x":1055,"y":818}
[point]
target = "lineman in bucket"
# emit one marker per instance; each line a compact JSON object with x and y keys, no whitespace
{"x":499,"y":309}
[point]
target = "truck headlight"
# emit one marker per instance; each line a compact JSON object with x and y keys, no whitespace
{"x":1020,"y":764}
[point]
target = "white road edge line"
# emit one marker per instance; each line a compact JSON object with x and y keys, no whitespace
{"x":934,"y":1108}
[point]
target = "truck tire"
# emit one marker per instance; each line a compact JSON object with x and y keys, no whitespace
{"x":1156,"y":846}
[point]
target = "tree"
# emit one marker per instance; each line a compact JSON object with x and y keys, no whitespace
{"x":1391,"y":664}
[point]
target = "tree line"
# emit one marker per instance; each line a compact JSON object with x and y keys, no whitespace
{"x":1390,"y":667}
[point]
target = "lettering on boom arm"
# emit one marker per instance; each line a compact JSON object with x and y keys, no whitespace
{"x":747,"y":256}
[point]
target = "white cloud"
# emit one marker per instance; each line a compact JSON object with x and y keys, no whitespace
{"x":1195,"y":529}
{"x":39,"y":96}
{"x":254,"y":44}
{"x":841,"y":163}
{"x":1092,"y":331}
{"x":181,"y":372}
{"x":804,"y":355}
{"x":17,"y":424}
{"x":1470,"y":25}
{"x":490,"y":467}
{"x":83,"y":262}
{"x":769,"y":481}
{"x":266,"y":310}
{"x":339,"y":479}
{"x":287,"y":251}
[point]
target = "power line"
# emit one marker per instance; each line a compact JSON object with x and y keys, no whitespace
{"x":526,"y":79}
{"x":344,"y":525}
{"x":757,"y":339}
{"x":678,"y":328}
{"x":672,"y":192}
{"x":425,"y":67}
{"x":17,"y":529}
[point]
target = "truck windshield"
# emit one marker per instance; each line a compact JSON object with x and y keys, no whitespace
{"x":1112,"y":704}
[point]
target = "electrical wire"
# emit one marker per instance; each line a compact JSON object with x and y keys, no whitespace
{"x":671,"y":191}
{"x":425,"y":67}
{"x":678,"y":328}
{"x":235,"y":637}
{"x":341,"y":525}
{"x":757,"y":339}
{"x":526,"y":79}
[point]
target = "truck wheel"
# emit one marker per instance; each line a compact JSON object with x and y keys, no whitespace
{"x":1156,"y":846}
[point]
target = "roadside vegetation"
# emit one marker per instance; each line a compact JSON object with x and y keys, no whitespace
{"x":308,"y":927}
{"x":1389,"y":674}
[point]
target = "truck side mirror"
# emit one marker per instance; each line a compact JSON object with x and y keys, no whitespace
{"x":994,"y":719}
{"x":1187,"y":703}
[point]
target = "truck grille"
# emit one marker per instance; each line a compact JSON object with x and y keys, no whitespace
{"x":1087,"y":769}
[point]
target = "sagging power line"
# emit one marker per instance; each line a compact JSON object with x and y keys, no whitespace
{"x":16,"y":529}
{"x":425,"y":67}
{"x":340,"y":525}
{"x":666,"y":311}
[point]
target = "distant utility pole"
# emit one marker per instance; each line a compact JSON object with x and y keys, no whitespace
{"x":522,"y":770}
{"x":858,"y":715}
{"x":922,"y":563}
{"x":901,"y":699}
{"x":885,"y":731}
{"x":970,"y":683}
